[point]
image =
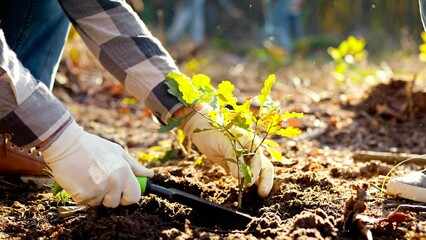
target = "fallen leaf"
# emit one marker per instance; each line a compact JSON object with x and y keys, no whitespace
{"x":67,"y":211}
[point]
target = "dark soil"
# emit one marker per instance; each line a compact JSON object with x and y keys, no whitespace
{"x":320,"y":190}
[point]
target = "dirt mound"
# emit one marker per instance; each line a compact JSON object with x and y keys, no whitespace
{"x":395,"y":99}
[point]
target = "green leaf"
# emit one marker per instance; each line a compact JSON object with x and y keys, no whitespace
{"x":246,"y":170}
{"x":231,"y":160}
{"x":198,"y":130}
{"x":189,"y":94}
{"x":174,"y":88}
{"x":56,"y":188}
{"x":239,"y":152}
{"x":172,"y":123}
{"x":169,"y":155}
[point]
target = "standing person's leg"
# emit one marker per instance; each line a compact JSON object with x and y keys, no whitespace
{"x":36,"y":30}
{"x":181,"y":20}
{"x":281,"y":25}
{"x":198,"y":26}
{"x":268,"y":28}
{"x":296,"y":26}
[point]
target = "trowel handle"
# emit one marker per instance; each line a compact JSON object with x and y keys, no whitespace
{"x":143,"y":183}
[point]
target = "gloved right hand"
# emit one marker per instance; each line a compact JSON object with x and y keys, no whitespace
{"x":93,"y":170}
{"x":218,"y":148}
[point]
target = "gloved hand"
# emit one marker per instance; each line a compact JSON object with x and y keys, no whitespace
{"x":217,"y":147}
{"x":94,"y":170}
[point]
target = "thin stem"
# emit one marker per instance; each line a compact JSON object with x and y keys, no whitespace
{"x":240,"y":192}
{"x":182,"y":147}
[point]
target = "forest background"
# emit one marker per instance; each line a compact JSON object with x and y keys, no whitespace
{"x":386,"y":25}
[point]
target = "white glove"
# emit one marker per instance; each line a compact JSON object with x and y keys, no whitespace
{"x":217,"y":147}
{"x":94,"y":170}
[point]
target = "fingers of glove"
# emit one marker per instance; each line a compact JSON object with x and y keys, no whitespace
{"x":115,"y":185}
{"x":88,"y":197}
{"x":112,"y":198}
{"x":95,"y":201}
{"x":255,"y":167}
{"x":223,"y":163}
{"x":266,"y":178}
{"x":131,"y":193}
{"x":137,"y":168}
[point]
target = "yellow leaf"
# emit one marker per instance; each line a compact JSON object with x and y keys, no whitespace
{"x":335,"y":54}
{"x":192,"y":66}
{"x":422,"y":57}
{"x":180,"y":136}
{"x":288,"y":132}
{"x":266,"y":90}
{"x":271,"y":143}
{"x":422,"y":48}
{"x":200,"y":81}
{"x":225,"y":92}
{"x":343,"y":48}
{"x":288,"y":115}
{"x":341,"y":67}
{"x":360,"y":56}
{"x":355,"y":45}
{"x":277,"y":155}
{"x":189,"y":92}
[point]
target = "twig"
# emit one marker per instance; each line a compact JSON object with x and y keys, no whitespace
{"x":409,"y":94}
{"x":388,"y":157}
{"x":386,"y":110}
{"x":411,"y":208}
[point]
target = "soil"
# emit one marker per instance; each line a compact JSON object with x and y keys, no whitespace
{"x":321,"y":191}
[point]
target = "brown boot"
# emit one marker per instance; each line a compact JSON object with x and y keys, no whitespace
{"x":16,"y":160}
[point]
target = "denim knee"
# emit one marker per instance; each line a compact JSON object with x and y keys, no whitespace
{"x":36,"y":30}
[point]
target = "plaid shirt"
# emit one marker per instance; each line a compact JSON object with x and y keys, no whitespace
{"x":30,"y":114}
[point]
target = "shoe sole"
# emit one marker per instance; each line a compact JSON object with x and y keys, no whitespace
{"x":406,"y":191}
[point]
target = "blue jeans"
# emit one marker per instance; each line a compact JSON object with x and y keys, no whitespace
{"x":281,"y":23}
{"x":190,"y":13}
{"x":277,"y":22}
{"x":36,"y":30}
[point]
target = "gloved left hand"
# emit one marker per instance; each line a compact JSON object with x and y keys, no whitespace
{"x":93,"y":170}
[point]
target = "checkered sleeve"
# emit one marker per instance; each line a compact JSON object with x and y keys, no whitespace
{"x":29,"y":113}
{"x":126,"y":48}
